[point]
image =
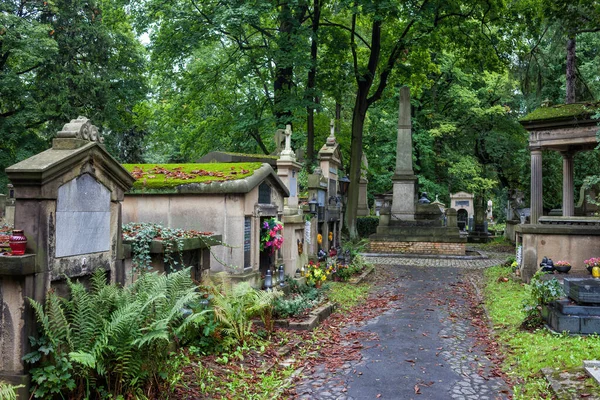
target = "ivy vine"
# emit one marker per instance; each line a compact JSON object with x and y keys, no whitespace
{"x":141,"y":234}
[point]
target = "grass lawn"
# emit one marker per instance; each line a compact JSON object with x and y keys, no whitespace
{"x":529,"y":352}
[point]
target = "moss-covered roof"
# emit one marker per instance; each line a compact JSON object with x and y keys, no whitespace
{"x":250,"y":155}
{"x":168,"y":176}
{"x":561,"y":111}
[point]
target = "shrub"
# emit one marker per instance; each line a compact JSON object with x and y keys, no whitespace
{"x":366,"y":226}
{"x":235,"y":306}
{"x":298,"y":303}
{"x":542,"y":292}
{"x":108,"y":339}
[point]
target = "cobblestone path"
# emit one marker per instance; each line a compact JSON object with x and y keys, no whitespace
{"x":423,"y":347}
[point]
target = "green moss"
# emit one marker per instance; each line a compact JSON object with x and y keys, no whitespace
{"x":561,"y":111}
{"x":250,"y":155}
{"x":154,"y":177}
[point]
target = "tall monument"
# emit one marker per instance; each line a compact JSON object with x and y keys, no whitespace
{"x":409,"y":226}
{"x":403,"y":203}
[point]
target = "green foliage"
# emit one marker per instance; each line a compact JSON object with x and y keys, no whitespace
{"x":8,"y":392}
{"x":529,"y":351}
{"x":544,"y":291}
{"x":109,"y":339}
{"x":366,"y":226}
{"x":347,"y":296}
{"x":301,"y":299}
{"x":235,"y":306}
{"x":355,"y":247}
{"x":60,"y":59}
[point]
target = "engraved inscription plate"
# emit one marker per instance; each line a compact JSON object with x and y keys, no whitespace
{"x":82,"y":217}
{"x":293,"y":187}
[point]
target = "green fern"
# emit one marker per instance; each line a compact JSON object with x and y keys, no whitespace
{"x":8,"y":391}
{"x":115,"y":337}
{"x":235,"y":306}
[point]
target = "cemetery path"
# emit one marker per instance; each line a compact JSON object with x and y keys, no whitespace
{"x":431,"y":343}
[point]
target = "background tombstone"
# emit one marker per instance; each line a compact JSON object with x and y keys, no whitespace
{"x":68,"y":202}
{"x":363,"y":202}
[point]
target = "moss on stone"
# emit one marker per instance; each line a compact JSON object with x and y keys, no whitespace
{"x":250,"y":155}
{"x":561,"y":111}
{"x":154,"y":177}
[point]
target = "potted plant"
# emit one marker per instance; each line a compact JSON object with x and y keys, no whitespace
{"x":316,"y":274}
{"x":591,"y":263}
{"x":562,"y":267}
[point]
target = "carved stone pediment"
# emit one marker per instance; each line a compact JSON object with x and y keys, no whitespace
{"x":80,"y":128}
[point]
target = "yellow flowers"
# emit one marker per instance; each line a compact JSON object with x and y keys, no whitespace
{"x":315,"y":273}
{"x":319,"y":238}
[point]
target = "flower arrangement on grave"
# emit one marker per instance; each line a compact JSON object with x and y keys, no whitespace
{"x":316,"y":273}
{"x":330,"y":236}
{"x":562,"y":263}
{"x":319,"y":238}
{"x":591,"y":263}
{"x":270,"y":237}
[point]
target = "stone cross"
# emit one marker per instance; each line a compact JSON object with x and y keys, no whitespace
{"x":287,"y":153}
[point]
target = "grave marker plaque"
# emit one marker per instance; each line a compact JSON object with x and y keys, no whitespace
{"x":82,"y":217}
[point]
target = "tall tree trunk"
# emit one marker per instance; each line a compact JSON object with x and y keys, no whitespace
{"x":283,"y":71}
{"x":571,"y":69}
{"x":310,"y":86}
{"x":338,"y":119}
{"x":289,"y":19}
{"x":359,"y":114}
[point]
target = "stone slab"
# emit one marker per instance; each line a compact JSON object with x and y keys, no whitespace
{"x":566,"y":306}
{"x":563,"y":323}
{"x":592,"y":367}
{"x":18,"y":265}
{"x":83,"y":194}
{"x":585,"y":291}
{"x":590,"y":325}
{"x":82,"y":233}
{"x":403,"y":202}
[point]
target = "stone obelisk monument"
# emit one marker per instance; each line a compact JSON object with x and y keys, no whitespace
{"x":404,"y":179}
{"x":409,"y":226}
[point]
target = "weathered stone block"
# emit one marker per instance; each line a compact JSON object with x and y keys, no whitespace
{"x":590,"y":325}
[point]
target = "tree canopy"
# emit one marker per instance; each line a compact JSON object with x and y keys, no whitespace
{"x":171,"y":81}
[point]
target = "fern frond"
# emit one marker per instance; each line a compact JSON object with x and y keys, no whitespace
{"x":83,"y":358}
{"x":57,"y":322}
{"x":8,"y":391}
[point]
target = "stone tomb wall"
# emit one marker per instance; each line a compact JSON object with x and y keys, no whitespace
{"x":431,"y":248}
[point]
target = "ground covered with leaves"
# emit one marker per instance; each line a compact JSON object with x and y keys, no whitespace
{"x":269,"y":367}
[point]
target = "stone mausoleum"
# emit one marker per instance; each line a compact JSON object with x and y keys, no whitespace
{"x":67,"y":201}
{"x":566,"y":129}
{"x":229,"y":199}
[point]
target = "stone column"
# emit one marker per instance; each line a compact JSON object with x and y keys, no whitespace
{"x":403,"y":203}
{"x":536,"y":203}
{"x":568,"y":208}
